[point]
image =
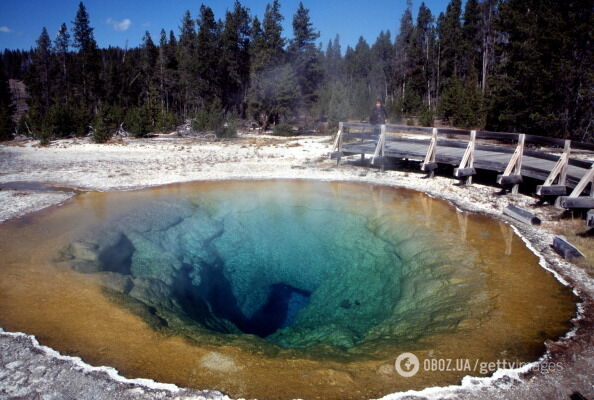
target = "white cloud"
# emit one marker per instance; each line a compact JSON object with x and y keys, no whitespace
{"x":5,"y":29}
{"x":120,"y":26}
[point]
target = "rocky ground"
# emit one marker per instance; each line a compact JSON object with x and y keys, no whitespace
{"x":29,"y":371}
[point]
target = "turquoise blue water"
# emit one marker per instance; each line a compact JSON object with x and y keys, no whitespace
{"x":295,"y":265}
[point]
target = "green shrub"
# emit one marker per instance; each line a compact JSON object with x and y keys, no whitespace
{"x":209,"y":118}
{"x":205,"y":120}
{"x":426,"y":118}
{"x":227,"y":130}
{"x":44,"y":133}
{"x":166,"y":121}
{"x":102,"y":127}
{"x":284,"y":130}
{"x":137,"y":121}
{"x":462,"y":104}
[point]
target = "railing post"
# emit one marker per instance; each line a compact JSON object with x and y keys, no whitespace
{"x":429,"y":165}
{"x":383,"y":134}
{"x":574,"y":200}
{"x":563,"y":173}
{"x":379,"y":148}
{"x":466,"y":168}
{"x":558,"y":172}
{"x":583,"y":183}
{"x":513,"y":171}
{"x":340,"y":133}
{"x":518,"y":168}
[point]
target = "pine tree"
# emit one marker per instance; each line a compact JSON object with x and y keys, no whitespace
{"x":101,"y":132}
{"x":6,"y":107}
{"x":42,"y":60}
{"x":258,"y":53}
{"x":471,"y":35}
{"x":148,"y":61}
{"x":450,"y":41}
{"x":38,"y":83}
{"x":382,"y":53}
{"x":185,"y":57}
{"x":274,"y":95}
{"x":235,"y":60}
{"x":207,"y":46}
{"x":61,"y":49}
{"x":161,"y":70}
{"x":404,"y":63}
{"x":487,"y":31}
{"x":305,"y":57}
{"x":272,"y":32}
{"x":543,"y":83}
{"x":88,"y":57}
{"x":339,"y":107}
{"x":424,"y":73}
{"x":304,"y":35}
{"x":334,"y":70}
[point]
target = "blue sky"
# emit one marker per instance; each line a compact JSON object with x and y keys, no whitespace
{"x":119,"y":21}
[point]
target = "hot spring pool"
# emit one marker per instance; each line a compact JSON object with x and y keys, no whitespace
{"x":276,"y":289}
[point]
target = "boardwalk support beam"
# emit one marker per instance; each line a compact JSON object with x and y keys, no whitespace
{"x":553,"y":190}
{"x":379,"y":149}
{"x":429,"y":165}
{"x":513,"y":172}
{"x":559,"y":173}
{"x":574,"y":200}
{"x":521,"y":215}
{"x":466,"y":168}
{"x":566,"y":249}
{"x":337,"y":147}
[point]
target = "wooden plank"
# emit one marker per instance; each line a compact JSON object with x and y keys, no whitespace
{"x":360,"y":135}
{"x":429,"y":167}
{"x":339,"y":142}
{"x":590,"y":219}
{"x":506,"y":180}
{"x":335,"y":155}
{"x":588,"y":178}
{"x":553,"y":190}
{"x":454,"y":131}
{"x":466,"y":165}
{"x":363,"y":125}
{"x":521,"y":215}
{"x":548,"y":141}
{"x":464,"y":172}
{"x":559,"y":171}
{"x":406,"y":128}
{"x":515,"y":163}
{"x":582,"y":202}
{"x":566,"y":249}
{"x":380,"y":148}
{"x":502,"y":136}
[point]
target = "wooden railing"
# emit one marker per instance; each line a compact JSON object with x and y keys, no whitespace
{"x":359,"y":137}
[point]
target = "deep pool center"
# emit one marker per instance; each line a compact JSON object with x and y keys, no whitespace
{"x":337,"y":278}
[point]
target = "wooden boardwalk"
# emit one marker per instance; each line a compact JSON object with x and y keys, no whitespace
{"x":513,"y":156}
{"x":488,"y":160}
